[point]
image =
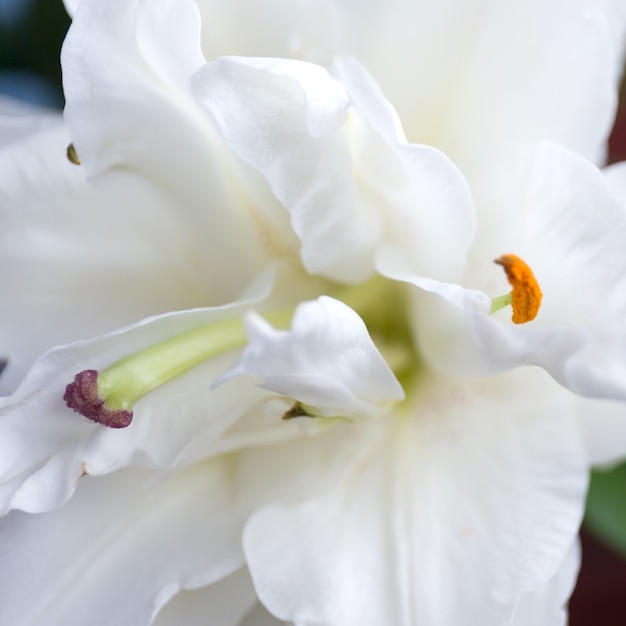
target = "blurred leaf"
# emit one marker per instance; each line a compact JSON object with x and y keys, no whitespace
{"x":606,"y":507}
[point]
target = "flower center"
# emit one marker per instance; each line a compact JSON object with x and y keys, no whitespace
{"x":107,"y":397}
{"x":382,"y":304}
{"x":525,"y":297}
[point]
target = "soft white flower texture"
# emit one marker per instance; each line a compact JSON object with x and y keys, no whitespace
{"x":335,"y":157}
{"x":327,"y":361}
{"x":242,"y":157}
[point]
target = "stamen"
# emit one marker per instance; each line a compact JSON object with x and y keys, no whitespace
{"x":525,"y":297}
{"x":108,"y":397}
{"x":499,"y":302}
{"x":297,"y":410}
{"x":72,"y":157}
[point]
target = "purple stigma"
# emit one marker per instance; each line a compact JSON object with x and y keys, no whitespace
{"x":82,"y":396}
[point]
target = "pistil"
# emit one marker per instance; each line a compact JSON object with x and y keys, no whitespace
{"x":108,"y":397}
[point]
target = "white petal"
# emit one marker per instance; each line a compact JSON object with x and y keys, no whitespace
{"x":327,"y":361}
{"x":468,"y":501}
{"x":539,"y":71}
{"x":120,"y":60}
{"x":615,"y":176}
{"x":224,"y":603}
{"x":426,"y":207}
{"x":553,"y":209}
{"x":285,"y":119}
{"x":604,"y":427}
{"x":472,"y":76}
{"x":346,"y":175}
{"x":368,"y":97}
{"x":110,"y":253}
{"x":126,"y":70}
{"x":19,"y":120}
{"x":71,"y":6}
{"x":260,"y":617}
{"x":276,"y":28}
{"x":120,"y":549}
{"x":547,"y":606}
{"x":146,"y":535}
{"x":46,"y":447}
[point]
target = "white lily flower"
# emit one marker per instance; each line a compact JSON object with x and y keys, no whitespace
{"x":343,"y":473}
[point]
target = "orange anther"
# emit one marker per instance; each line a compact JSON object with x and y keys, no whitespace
{"x":526,"y":294}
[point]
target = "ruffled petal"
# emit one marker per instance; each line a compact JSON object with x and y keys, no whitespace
{"x":148,"y":535}
{"x":120,"y":549}
{"x":327,"y":362}
{"x":341,"y":167}
{"x":436,"y":62}
{"x":428,"y":213}
{"x":553,"y":209}
{"x":463,"y":504}
{"x":285,"y":119}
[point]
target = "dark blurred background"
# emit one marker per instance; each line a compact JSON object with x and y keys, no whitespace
{"x":31,"y":33}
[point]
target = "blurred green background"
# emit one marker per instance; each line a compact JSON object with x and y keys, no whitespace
{"x":31,"y":33}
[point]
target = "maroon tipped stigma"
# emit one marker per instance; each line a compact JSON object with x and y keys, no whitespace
{"x":82,"y":396}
